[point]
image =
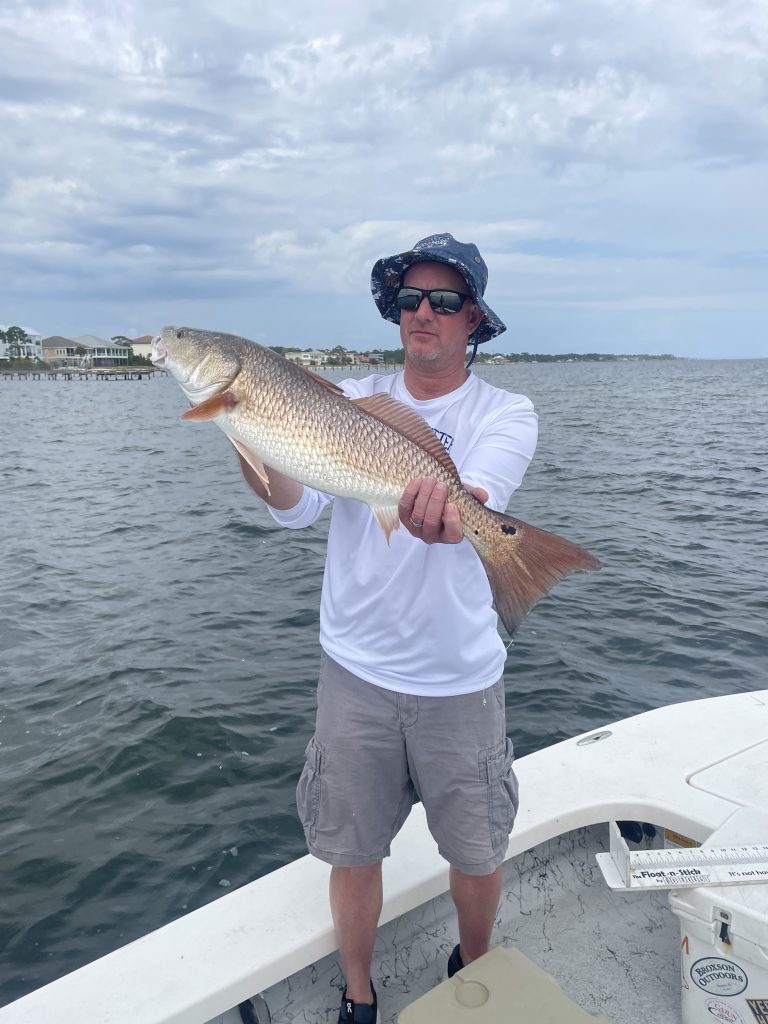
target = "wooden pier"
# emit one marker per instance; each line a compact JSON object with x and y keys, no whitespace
{"x":82,"y":373}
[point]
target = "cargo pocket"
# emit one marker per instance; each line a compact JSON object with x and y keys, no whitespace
{"x":495,"y":770}
{"x":309,"y":787}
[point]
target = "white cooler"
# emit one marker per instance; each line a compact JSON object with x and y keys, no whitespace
{"x":724,"y":938}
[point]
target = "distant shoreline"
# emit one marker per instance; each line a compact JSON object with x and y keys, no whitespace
{"x":569,"y":357}
{"x":392,"y":359}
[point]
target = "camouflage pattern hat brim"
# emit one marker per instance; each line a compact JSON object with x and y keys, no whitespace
{"x":387,"y":276}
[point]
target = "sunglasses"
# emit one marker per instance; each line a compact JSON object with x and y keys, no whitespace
{"x":442,"y":300}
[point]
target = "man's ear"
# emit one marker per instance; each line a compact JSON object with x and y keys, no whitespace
{"x":475,"y":318}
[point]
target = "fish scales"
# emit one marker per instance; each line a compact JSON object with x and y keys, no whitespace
{"x":322,"y":438}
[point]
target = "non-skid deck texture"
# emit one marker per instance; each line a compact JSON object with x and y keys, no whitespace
{"x":611,"y":953}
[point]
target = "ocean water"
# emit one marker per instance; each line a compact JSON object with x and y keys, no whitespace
{"x":158,"y":633}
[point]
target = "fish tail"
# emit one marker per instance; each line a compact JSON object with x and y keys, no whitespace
{"x":523,"y":563}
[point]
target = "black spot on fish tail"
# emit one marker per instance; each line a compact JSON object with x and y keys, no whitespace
{"x":523,"y":563}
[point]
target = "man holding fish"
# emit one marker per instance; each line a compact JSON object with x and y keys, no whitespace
{"x":387,"y":725}
{"x":411,"y":696}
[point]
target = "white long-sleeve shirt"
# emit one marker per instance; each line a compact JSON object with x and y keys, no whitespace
{"x":409,"y":616}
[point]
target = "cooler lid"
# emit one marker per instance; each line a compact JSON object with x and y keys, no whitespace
{"x":747,"y":904}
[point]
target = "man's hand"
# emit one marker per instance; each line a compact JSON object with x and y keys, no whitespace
{"x":426,"y":514}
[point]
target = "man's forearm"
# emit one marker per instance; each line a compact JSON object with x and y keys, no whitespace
{"x":283,"y":492}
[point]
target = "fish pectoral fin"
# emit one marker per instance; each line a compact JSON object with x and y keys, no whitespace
{"x":211,"y":407}
{"x":253,"y":461}
{"x":387,"y":517}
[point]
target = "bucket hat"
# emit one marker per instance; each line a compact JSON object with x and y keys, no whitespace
{"x":387,"y":276}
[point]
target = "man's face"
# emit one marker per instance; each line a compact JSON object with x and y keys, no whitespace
{"x":431,"y":339}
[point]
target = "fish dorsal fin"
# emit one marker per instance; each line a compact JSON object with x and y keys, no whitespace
{"x":407,"y":422}
{"x":328,"y":384}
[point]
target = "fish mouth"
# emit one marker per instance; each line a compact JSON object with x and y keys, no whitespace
{"x":159,"y":352}
{"x":201,"y":368}
{"x":206,"y":390}
{"x":161,"y":358}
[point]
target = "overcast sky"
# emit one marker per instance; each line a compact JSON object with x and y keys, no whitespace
{"x":240,"y":166}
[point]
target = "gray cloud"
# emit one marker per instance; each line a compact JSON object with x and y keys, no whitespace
{"x":604,"y":155}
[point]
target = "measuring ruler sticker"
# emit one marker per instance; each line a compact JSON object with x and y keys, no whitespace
{"x":681,"y":868}
{"x":714,"y":870}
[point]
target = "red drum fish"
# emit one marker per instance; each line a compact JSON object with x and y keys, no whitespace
{"x":279,"y":415}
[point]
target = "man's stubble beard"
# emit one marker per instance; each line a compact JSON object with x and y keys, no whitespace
{"x":422,"y":357}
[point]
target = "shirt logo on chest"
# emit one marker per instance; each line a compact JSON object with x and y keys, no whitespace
{"x":446,"y":440}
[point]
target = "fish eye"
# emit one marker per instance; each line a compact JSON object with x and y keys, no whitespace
{"x":179,"y":334}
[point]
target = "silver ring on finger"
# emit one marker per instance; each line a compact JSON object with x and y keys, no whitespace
{"x":418,"y":526}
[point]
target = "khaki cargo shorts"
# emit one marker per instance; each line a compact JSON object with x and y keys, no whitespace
{"x":375,"y":749}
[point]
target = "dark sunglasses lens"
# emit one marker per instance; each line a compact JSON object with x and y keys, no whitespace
{"x":409,"y":299}
{"x":445,"y":302}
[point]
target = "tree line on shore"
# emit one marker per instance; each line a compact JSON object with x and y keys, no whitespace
{"x":341,"y":357}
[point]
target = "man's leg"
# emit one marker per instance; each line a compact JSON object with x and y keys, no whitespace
{"x":477,"y":901}
{"x":460,"y":760}
{"x":356,"y":898}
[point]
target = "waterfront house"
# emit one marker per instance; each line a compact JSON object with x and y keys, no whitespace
{"x":58,"y":351}
{"x":142,"y":346}
{"x":31,"y":349}
{"x":312,"y":357}
{"x":99,"y":352}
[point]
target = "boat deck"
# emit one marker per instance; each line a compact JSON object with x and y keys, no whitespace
{"x":686,"y":767}
{"x":613,"y":953}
